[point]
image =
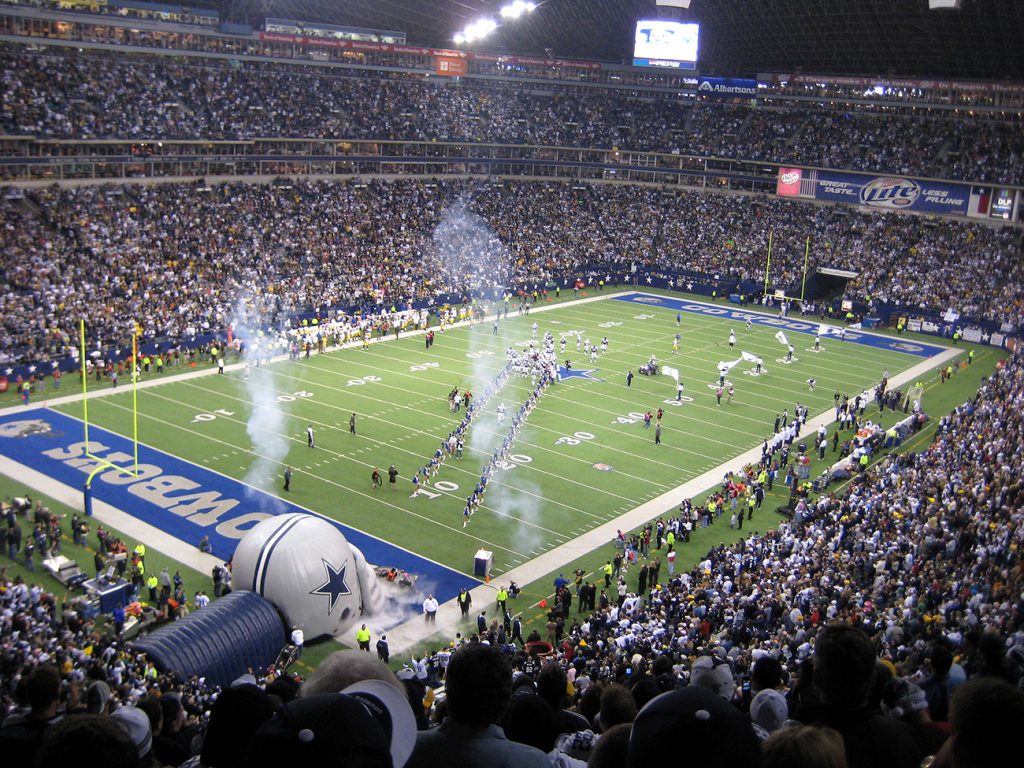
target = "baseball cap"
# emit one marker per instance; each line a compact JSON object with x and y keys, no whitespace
{"x":234,"y":718}
{"x":769,"y":709}
{"x":369,"y":723}
{"x":96,"y":697}
{"x":136,"y":724}
{"x":391,"y":707}
{"x":901,"y":697}
{"x":247,"y":679}
{"x":715,"y":675}
{"x":716,"y":734}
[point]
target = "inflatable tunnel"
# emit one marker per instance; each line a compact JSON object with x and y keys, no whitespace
{"x":219,"y":642}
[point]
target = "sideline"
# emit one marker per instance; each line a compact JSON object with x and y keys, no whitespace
{"x":413,"y":631}
{"x":449,"y":618}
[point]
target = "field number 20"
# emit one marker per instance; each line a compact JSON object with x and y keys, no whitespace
{"x":575,"y":439}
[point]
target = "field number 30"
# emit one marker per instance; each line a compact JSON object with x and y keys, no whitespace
{"x":575,"y":439}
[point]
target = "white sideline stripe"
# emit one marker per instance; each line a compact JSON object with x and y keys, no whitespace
{"x":449,"y":618}
{"x":109,"y":515}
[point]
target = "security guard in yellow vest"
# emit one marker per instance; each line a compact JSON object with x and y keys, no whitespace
{"x":363,"y":638}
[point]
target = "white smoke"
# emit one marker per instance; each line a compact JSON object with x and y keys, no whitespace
{"x":468,"y":252}
{"x":474,"y":258}
{"x":473,"y":255}
{"x":519,"y":499}
{"x":267,"y":425}
{"x":399,"y":603}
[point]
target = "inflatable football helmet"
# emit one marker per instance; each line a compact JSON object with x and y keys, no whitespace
{"x":304,"y":566}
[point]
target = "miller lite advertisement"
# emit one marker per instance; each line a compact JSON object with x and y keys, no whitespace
{"x":892,"y":193}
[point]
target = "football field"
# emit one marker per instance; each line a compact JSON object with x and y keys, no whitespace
{"x":582,"y":458}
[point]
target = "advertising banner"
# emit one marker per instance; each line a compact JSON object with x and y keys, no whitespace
{"x":789,"y":182}
{"x":892,"y":193}
{"x":449,"y":66}
{"x":1002,"y":203}
{"x":727,"y":87}
{"x":871,"y":82}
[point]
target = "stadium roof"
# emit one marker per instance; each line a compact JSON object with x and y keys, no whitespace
{"x":983,"y":40}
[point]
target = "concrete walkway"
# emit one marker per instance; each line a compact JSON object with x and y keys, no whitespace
{"x":449,"y":620}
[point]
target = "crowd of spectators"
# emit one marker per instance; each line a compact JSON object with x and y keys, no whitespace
{"x":83,"y":96}
{"x":185,"y":260}
{"x":865,"y":632}
{"x":880,"y":615}
{"x":887,"y":628}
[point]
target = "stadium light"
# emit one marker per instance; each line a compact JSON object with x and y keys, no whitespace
{"x":476,"y":30}
{"x":484,"y":27}
{"x":517,"y":9}
{"x":939,"y":5}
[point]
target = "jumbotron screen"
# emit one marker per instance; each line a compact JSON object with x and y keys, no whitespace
{"x":661,"y":43}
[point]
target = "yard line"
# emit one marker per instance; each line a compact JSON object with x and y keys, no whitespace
{"x":548,"y":394}
{"x":301,"y":441}
{"x":438,"y":439}
{"x":324,"y":479}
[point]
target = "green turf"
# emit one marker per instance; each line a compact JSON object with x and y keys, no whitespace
{"x":552,"y":493}
{"x":404,"y":414}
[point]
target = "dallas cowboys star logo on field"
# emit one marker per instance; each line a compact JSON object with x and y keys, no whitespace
{"x":570,"y":373}
{"x":335,"y":585}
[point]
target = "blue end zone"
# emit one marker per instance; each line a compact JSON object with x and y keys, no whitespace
{"x":893,"y":344}
{"x":178,"y":497}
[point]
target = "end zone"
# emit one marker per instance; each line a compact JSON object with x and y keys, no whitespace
{"x":865,"y":338}
{"x":182,"y":500}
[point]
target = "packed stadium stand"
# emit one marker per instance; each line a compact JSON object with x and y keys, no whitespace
{"x":156,"y":158}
